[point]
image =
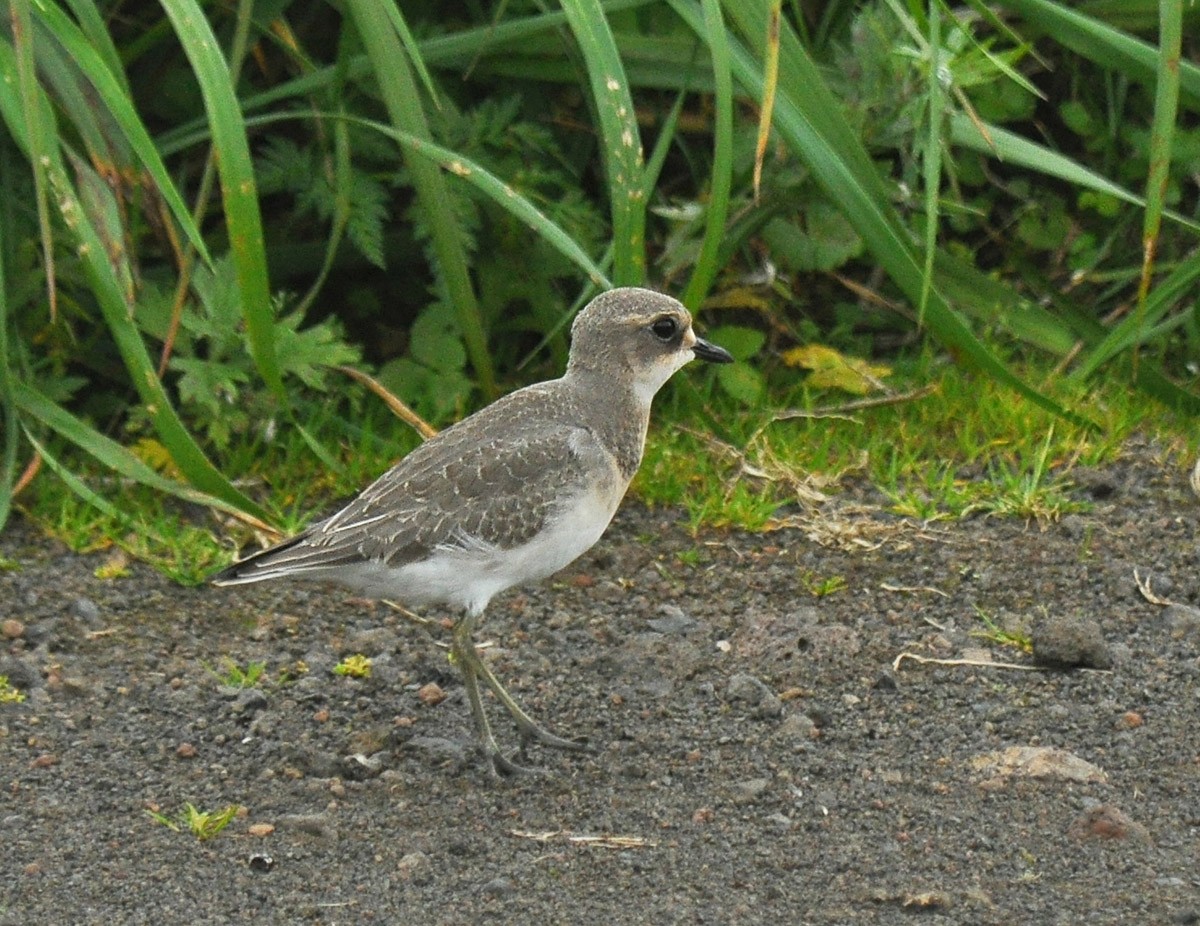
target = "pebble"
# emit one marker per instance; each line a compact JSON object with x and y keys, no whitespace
{"x":498,"y":887}
{"x":748,"y":791}
{"x":86,"y":610}
{"x":673,"y":620}
{"x":744,"y":688}
{"x":431,"y":694}
{"x":1070,"y":641}
{"x":1181,"y":619}
{"x":1108,"y":822}
{"x":12,"y":629}
{"x":310,"y":824}
{"x":249,"y":701}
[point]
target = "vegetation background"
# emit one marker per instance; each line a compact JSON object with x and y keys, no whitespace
{"x":225,"y":228}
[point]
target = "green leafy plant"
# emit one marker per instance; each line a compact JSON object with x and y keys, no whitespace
{"x":203,"y":824}
{"x":234,"y":676}
{"x":8,"y":693}
{"x":994,"y":633}
{"x":354,"y":666}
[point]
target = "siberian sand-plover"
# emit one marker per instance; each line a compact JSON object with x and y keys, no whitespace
{"x":511,"y":494}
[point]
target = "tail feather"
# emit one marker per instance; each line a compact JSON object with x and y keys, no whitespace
{"x":257,"y":566}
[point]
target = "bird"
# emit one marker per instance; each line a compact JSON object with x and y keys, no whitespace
{"x":507,"y":496}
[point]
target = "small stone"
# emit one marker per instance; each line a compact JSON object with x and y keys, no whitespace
{"x":498,"y":887}
{"x":310,"y":824}
{"x":260,"y":829}
{"x":1181,"y":619}
{"x":359,"y":767}
{"x":45,"y":760}
{"x":1107,"y":822}
{"x":1070,"y":641}
{"x":797,"y":726}
{"x":413,"y":860}
{"x":748,"y":791}
{"x":185,"y":751}
{"x":702,"y":815}
{"x":12,"y":629}
{"x":1130,"y":720}
{"x":1047,"y":762}
{"x":672,"y":621}
{"x":431,"y":694}
{"x":249,"y":701}
{"x":86,"y":610}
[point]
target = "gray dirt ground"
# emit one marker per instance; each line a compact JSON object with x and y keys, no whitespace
{"x":760,"y":760}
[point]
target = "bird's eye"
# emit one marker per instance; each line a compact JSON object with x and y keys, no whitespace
{"x":665,"y":328}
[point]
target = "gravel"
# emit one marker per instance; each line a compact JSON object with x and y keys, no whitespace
{"x":761,"y":756}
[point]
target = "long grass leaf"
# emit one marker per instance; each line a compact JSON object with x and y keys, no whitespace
{"x":39,"y":135}
{"x":620,"y":138}
{"x":817,"y":138}
{"x":238,"y":189}
{"x":1162,"y":136}
{"x":37,"y":407}
{"x":403,"y":103}
{"x":1108,"y":47}
{"x":108,"y":292}
{"x":11,"y":437}
{"x":114,"y":93}
{"x":1014,"y":149}
{"x":478,"y":176}
{"x":1178,"y":285}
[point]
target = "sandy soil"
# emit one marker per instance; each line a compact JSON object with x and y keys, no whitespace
{"x":761,"y":758}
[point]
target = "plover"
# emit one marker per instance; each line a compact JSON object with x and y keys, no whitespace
{"x":508,"y":495}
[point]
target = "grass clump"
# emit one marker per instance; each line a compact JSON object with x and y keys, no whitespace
{"x":203,"y":824}
{"x":354,"y":666}
{"x":9,"y":694}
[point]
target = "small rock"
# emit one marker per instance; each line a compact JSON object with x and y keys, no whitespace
{"x":1070,"y":641}
{"x":22,"y":674}
{"x":1181,"y":619}
{"x":749,"y":791}
{"x":797,"y":726}
{"x":1130,"y":720}
{"x":438,"y":747}
{"x":498,"y":887}
{"x":359,"y":767}
{"x":185,"y":751}
{"x":310,"y":824}
{"x":431,"y":694}
{"x":260,"y":829}
{"x":746,"y":689}
{"x":86,"y":610}
{"x":1109,"y":823}
{"x":249,"y":701}
{"x":12,"y":629}
{"x":413,"y":860}
{"x":672,"y":621}
{"x":1037,"y":762}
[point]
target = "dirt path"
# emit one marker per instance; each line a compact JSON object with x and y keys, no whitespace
{"x":760,"y":758}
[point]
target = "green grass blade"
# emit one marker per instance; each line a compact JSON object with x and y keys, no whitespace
{"x":620,"y":138}
{"x":479,"y":177}
{"x":114,"y":93}
{"x":1014,"y":149}
{"x":8,"y":455}
{"x":1108,"y":47}
{"x":403,"y":103}
{"x":721,"y":182}
{"x":109,"y":294}
{"x":931,"y":158}
{"x":238,"y":190}
{"x":37,"y":120}
{"x":1179,"y":285}
{"x":820,"y":137}
{"x":105,"y":450}
{"x":1162,"y":136}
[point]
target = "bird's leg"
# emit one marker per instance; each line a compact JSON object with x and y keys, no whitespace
{"x":464,"y":654}
{"x":529,"y":728}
